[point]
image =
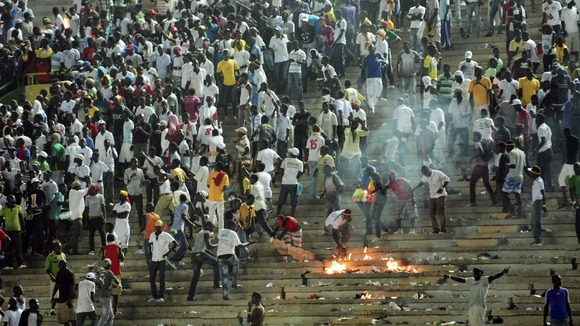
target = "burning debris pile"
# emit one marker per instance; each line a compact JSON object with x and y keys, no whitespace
{"x":344,"y":265}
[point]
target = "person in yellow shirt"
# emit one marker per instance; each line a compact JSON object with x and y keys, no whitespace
{"x":480,"y":90}
{"x":431,"y":64}
{"x":228,"y":71}
{"x":516,"y":47}
{"x":528,"y":86}
{"x":562,"y":52}
{"x":90,"y":108}
{"x":217,"y":182}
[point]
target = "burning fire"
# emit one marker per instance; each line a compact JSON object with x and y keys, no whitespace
{"x":393,"y":266}
{"x":366,"y":295}
{"x":336,"y":267}
{"x":366,"y":257}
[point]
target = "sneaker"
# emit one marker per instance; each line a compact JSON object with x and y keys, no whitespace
{"x":181,"y":263}
{"x":537,"y":243}
{"x":140,"y":252}
{"x":91,"y":253}
{"x":412,"y":231}
{"x":375,"y":239}
{"x":21,"y":266}
{"x":52,"y":312}
{"x":434,"y":232}
{"x":111,"y":204}
{"x":171,"y":264}
{"x":160,"y":300}
{"x":191,"y":299}
{"x":271,"y":239}
{"x":236,"y":286}
{"x":201,"y":272}
{"x":217,"y":286}
{"x":7,"y":268}
{"x":151,"y":300}
{"x":225,"y":297}
{"x":399,"y":231}
{"x":443,"y":231}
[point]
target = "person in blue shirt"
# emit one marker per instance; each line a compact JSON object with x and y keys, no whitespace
{"x":558,"y":303}
{"x":180,"y":217}
{"x":372,"y":72}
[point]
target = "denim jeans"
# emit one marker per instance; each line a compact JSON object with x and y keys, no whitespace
{"x":183,"y":245}
{"x":197,"y":260}
{"x":537,"y":220}
{"x":462,"y":132}
{"x":312,"y":167}
{"x":137,"y":202}
{"x":261,"y":218}
{"x":473,"y":8}
{"x":225,"y":264}
{"x":560,"y":322}
{"x":81,"y":316}
{"x":544,"y":162}
{"x":337,"y":59}
{"x":376,"y":213}
{"x":286,"y":190}
{"x":152,"y":190}
{"x":107,"y":316}
{"x":295,"y":80}
{"x":157,"y":266}
{"x":244,"y":251}
{"x":458,"y":13}
{"x":495,"y":9}
{"x":414,"y":39}
{"x":366,"y":210}
{"x":281,"y":72}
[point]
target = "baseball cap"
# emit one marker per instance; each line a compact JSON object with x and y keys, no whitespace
{"x":242,"y":130}
{"x":75,"y":184}
{"x":468,"y":54}
{"x":278,"y":28}
{"x":90,"y":276}
{"x":516,"y":102}
{"x":159,"y":223}
{"x":535,"y":170}
{"x":107,"y":261}
{"x":43,"y":154}
{"x":458,"y":73}
{"x":294,"y":151}
{"x":79,"y":157}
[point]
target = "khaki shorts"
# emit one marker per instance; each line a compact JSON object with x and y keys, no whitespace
{"x":64,"y":313}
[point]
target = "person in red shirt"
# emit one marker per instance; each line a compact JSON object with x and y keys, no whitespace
{"x":291,"y":230}
{"x":405,"y":200}
{"x":113,"y":251}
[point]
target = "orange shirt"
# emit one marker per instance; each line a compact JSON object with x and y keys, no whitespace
{"x":150,"y":219}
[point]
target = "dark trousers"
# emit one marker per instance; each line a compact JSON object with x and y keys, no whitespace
{"x":152,"y":190}
{"x":337,"y":59}
{"x":463,"y":133}
{"x":14,"y":250}
{"x":108,"y":185}
{"x":437,"y":209}
{"x":137,"y":202}
{"x":480,"y":172}
{"x":261,"y":218}
{"x":157,"y":267}
{"x":96,"y":224}
{"x":544,"y":162}
{"x":74,"y":236}
{"x":197,"y":260}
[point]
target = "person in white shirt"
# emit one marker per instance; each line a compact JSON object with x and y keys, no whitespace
{"x":313,"y":145}
{"x":339,"y":44}
{"x":416,"y":16}
{"x":297,"y":59}
{"x":76,"y":208}
{"x":293,"y":169}
{"x":12,"y":314}
{"x":278,"y":46}
{"x":484,"y":125}
{"x":437,"y":182}
{"x":121,"y":212}
{"x":160,"y":242}
{"x":570,"y":28}
{"x":338,"y":225}
{"x":467,"y":66}
{"x":544,"y":149}
{"x":551,"y":15}
{"x":228,"y":241}
{"x":85,"y":302}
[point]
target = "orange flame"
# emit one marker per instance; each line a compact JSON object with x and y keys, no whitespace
{"x":336,"y":267}
{"x":365,"y":295}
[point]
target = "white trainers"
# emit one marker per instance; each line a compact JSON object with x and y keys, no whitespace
{"x":271,"y":240}
{"x":22,"y":266}
{"x":375,"y":239}
{"x":91,"y":253}
{"x":151,"y":300}
{"x":412,"y":231}
{"x":160,"y":300}
{"x":7,"y":268}
{"x":140,"y":251}
{"x":399,"y":231}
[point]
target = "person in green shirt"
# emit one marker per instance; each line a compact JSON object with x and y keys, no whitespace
{"x":574,"y":186}
{"x":58,"y":153}
{"x":44,"y":166}
{"x":13,"y":223}
{"x":54,"y":211}
{"x":51,"y":268}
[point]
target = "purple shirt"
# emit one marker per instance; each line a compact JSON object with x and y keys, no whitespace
{"x":349,"y":14}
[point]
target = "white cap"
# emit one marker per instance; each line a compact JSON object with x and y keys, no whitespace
{"x":458,"y":73}
{"x":43,"y":154}
{"x":90,"y":276}
{"x":426,"y":80}
{"x":242,"y":130}
{"x":79,"y":157}
{"x":294,"y":151}
{"x":516,"y":102}
{"x":468,"y":54}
